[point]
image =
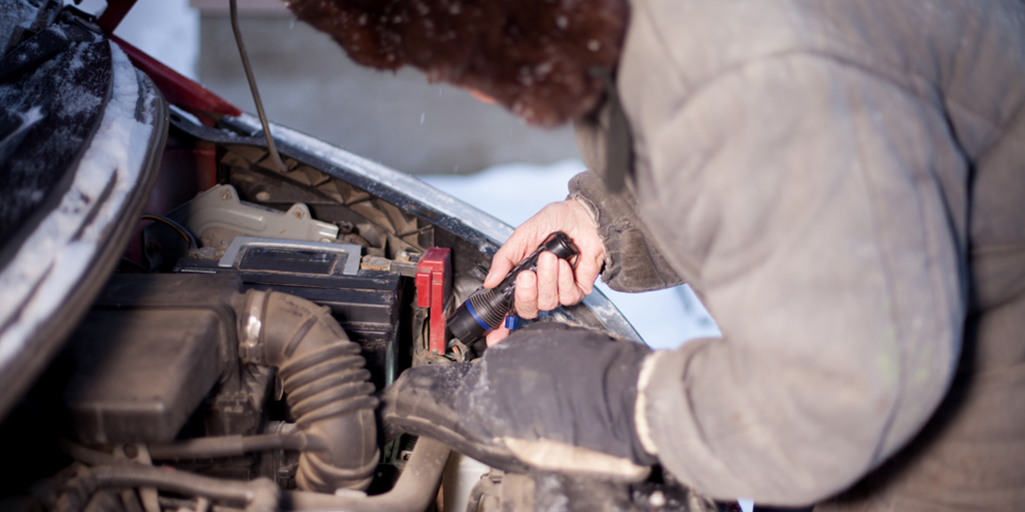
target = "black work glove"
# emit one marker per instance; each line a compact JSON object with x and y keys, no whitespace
{"x":550,"y":397}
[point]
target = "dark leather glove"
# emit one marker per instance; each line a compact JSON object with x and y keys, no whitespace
{"x":550,"y":397}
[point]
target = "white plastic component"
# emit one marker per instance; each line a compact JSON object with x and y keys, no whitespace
{"x":220,"y":207}
{"x":461,"y":474}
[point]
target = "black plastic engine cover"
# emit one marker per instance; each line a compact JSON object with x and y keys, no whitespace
{"x":146,"y":355}
{"x":138,"y":374}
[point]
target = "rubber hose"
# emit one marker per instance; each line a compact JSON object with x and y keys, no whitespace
{"x":326,"y":385}
{"x":229,"y":446}
{"x":260,"y":495}
{"x":415,"y":491}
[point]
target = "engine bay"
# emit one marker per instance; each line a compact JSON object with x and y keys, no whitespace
{"x":231,"y":359}
{"x":165,"y":368}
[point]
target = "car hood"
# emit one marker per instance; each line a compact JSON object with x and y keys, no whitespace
{"x":80,"y":133}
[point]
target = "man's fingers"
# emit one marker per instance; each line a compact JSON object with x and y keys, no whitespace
{"x":547,"y":281}
{"x":506,"y":258}
{"x":500,"y":267}
{"x":588,"y":269}
{"x":497,"y":335}
{"x":517,"y":247}
{"x":526,"y":295}
{"x":555,"y":282}
{"x":569,"y":292}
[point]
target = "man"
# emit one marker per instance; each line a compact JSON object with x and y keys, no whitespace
{"x":843,"y":184}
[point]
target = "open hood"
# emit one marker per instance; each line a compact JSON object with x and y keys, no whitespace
{"x":80,"y":135}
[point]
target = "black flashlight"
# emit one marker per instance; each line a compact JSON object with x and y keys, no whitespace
{"x":484,"y":310}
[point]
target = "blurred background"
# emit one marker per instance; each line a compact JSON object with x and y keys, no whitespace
{"x":308,"y":83}
{"x":477,"y":152}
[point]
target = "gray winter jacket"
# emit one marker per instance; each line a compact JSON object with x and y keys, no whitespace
{"x":843,"y":182}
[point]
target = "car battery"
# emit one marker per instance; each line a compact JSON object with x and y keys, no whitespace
{"x":367,"y":303}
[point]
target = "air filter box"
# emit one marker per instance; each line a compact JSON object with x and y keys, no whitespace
{"x":146,"y":355}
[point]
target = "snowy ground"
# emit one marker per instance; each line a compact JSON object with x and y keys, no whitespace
{"x":513,"y":193}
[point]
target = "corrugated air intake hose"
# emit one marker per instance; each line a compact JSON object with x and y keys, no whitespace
{"x":326,"y":386}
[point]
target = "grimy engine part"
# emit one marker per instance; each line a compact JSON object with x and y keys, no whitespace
{"x":485,"y":309}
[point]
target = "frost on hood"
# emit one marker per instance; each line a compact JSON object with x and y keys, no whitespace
{"x":56,"y":256}
{"x":48,"y":111}
{"x":15,"y":17}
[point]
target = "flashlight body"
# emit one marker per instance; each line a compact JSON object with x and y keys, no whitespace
{"x":485,"y":309}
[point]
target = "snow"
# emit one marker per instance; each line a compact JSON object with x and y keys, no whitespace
{"x":33,"y":116}
{"x":80,"y":98}
{"x":514,"y":192}
{"x":17,"y":13}
{"x":57,"y":255}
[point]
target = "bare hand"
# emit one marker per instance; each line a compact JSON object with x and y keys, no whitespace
{"x":555,"y":282}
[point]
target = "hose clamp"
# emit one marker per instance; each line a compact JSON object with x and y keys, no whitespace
{"x":250,"y":349}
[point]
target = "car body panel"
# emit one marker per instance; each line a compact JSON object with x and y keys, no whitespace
{"x":65,"y":244}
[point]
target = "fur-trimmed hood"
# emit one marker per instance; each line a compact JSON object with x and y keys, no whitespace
{"x":533,"y":56}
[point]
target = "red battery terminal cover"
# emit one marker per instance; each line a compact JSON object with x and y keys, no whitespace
{"x":433,"y":287}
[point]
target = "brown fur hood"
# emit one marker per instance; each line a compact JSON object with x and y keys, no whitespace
{"x":533,"y":56}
